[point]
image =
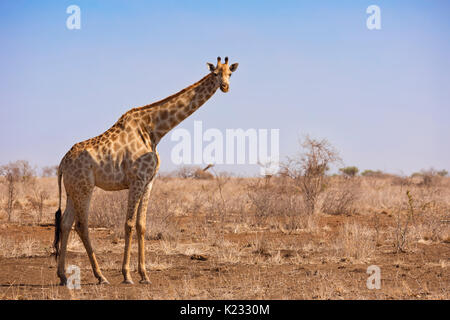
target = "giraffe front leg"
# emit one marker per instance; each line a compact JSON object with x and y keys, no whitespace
{"x":140,"y":228}
{"x":134,"y":197}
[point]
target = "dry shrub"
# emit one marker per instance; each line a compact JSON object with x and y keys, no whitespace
{"x":109,"y":209}
{"x":264,"y":202}
{"x":269,"y":205}
{"x":429,"y":177}
{"x":399,"y":180}
{"x":432,"y":229}
{"x":195,"y":172}
{"x":185,"y":172}
{"x":15,"y":173}
{"x":308,"y":171}
{"x":217,"y":201}
{"x":37,"y":199}
{"x":260,"y":246}
{"x":422,"y":216}
{"x":14,"y":248}
{"x":196,"y":202}
{"x":161,"y":223}
{"x":229,"y":252}
{"x":49,"y":171}
{"x":355,"y":242}
{"x":435,"y":223}
{"x":340,"y":197}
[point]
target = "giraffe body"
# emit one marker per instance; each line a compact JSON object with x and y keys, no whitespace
{"x":125,"y":157}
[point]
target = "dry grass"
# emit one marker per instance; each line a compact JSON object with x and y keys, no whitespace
{"x":26,"y":247}
{"x":355,"y":242}
{"x":251,"y":238}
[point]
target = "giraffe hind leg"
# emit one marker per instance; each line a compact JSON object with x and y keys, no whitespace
{"x":66,"y":226}
{"x":81,"y":227}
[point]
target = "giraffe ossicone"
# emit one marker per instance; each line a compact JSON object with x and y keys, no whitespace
{"x":125,"y":157}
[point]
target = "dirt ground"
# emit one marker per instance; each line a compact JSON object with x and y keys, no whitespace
{"x":241,"y":238}
{"x":190,"y":270}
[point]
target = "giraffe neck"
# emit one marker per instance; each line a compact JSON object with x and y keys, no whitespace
{"x":163,"y":116}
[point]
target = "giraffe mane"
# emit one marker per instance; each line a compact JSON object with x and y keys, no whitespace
{"x":162,"y":101}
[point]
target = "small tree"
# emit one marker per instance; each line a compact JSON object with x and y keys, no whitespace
{"x":430,"y":176}
{"x":37,"y":199}
{"x":442,"y":173}
{"x":49,"y":171}
{"x":15,"y":173}
{"x":349,"y":171}
{"x":185,"y":172}
{"x":309,"y":169}
{"x":371,"y":173}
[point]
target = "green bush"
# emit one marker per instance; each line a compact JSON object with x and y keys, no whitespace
{"x":442,"y":173}
{"x":349,"y":171}
{"x":371,"y":173}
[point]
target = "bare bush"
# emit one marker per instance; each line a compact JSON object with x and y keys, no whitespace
{"x":49,"y":171}
{"x":264,"y":202}
{"x":221,"y":181}
{"x":37,"y":200}
{"x":422,"y":217}
{"x":195,"y":172}
{"x":185,"y":172}
{"x":308,"y":171}
{"x":160,"y":217}
{"x":429,"y":177}
{"x":272,"y":204}
{"x":108,"y":209}
{"x":340,"y":197}
{"x":15,"y":173}
{"x":397,"y":180}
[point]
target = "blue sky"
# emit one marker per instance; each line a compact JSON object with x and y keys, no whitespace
{"x":381,"y":97}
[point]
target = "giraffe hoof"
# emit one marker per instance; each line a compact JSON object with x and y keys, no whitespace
{"x":128,"y":281}
{"x":103,"y":281}
{"x":145,"y":281}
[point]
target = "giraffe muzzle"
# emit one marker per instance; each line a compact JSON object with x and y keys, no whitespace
{"x":224,"y":87}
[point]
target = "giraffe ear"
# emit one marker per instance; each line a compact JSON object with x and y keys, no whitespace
{"x":211,"y":67}
{"x":233,"y":67}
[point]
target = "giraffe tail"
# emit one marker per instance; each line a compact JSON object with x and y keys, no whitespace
{"x":58,"y":217}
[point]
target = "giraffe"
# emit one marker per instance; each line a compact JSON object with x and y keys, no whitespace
{"x":125,"y":157}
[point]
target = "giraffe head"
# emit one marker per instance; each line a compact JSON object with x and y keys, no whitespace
{"x":222,"y":72}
